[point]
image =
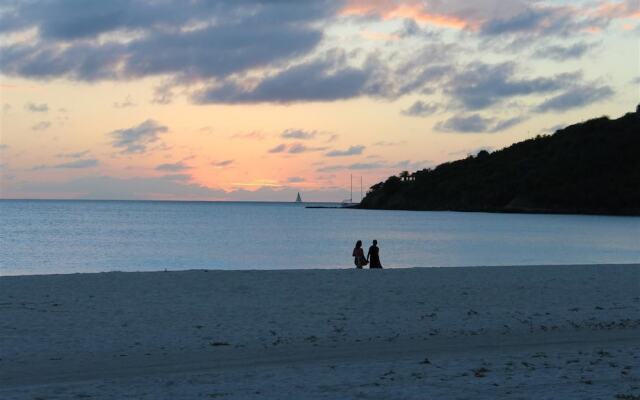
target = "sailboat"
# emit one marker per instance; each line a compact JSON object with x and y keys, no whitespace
{"x":349,"y":202}
{"x":298,"y":199}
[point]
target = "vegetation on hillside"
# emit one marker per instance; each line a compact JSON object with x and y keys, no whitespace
{"x":591,"y":167}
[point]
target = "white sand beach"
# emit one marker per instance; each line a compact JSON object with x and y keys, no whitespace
{"x":534,"y":332}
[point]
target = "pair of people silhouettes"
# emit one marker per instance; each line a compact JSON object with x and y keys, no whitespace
{"x":372,"y":258}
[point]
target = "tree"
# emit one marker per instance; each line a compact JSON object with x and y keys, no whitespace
{"x":590,"y":167}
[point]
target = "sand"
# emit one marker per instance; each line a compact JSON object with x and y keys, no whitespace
{"x":534,"y":332}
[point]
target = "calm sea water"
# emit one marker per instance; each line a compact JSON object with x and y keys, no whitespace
{"x":40,"y":237}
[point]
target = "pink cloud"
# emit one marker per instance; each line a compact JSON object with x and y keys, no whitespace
{"x":619,"y":10}
{"x":417,"y":11}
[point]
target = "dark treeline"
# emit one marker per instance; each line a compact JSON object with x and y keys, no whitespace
{"x":591,"y":167}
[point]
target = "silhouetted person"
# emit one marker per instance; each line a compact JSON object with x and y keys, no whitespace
{"x":358,"y":255}
{"x":373,"y":256}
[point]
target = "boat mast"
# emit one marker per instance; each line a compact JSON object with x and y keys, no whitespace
{"x":351,"y":195}
{"x":360,"y":189}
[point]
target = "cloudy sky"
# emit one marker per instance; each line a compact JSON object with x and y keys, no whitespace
{"x":256,"y":100}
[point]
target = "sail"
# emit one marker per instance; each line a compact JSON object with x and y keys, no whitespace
{"x":298,"y":199}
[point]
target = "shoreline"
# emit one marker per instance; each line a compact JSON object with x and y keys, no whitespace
{"x":316,"y":269}
{"x":496,"y":332}
{"x":337,"y":205}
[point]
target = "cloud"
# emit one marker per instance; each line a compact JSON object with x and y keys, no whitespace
{"x":563,"y":53}
{"x":255,"y":51}
{"x":378,"y":165}
{"x":41,"y":126}
{"x":177,"y":177}
{"x":222,"y":164}
{"x":278,"y":149}
{"x":298,"y":134}
{"x":474,"y":151}
{"x":296,"y":179}
{"x":411,"y":165}
{"x":294,"y":148}
{"x":75,"y":164}
{"x":433,"y":13}
{"x":351,"y":151}
{"x":481,"y":85}
{"x":255,"y":135}
{"x":127,"y":102}
{"x":385,"y":143}
{"x":107,"y":187}
{"x":173,"y":167}
{"x":354,"y":166}
{"x":36,"y":107}
{"x":137,"y":138}
{"x":288,"y":194}
{"x":187,"y":41}
{"x":317,"y":80}
{"x":298,"y":148}
{"x":496,"y":18}
{"x":78,"y":154}
{"x":421,"y":109}
{"x":475,"y":123}
{"x":577,"y":96}
{"x":84,"y":163}
{"x":531,"y":19}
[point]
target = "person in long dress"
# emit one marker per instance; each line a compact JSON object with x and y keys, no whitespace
{"x":373,"y":256}
{"x":358,"y":255}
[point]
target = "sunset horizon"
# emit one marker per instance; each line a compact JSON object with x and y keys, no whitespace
{"x":258,"y":101}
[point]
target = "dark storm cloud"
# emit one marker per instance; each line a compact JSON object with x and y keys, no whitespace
{"x":351,"y":151}
{"x":578,"y":96}
{"x":137,"y":138}
{"x":475,"y":123}
{"x":481,"y":85}
{"x":194,"y":40}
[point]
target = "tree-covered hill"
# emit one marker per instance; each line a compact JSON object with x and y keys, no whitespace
{"x":591,"y":167}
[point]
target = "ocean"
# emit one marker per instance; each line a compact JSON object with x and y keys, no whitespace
{"x":52,"y":237}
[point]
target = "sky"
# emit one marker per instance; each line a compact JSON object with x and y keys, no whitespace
{"x":259,"y":100}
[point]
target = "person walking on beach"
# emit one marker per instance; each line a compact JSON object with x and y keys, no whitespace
{"x":373,"y":256}
{"x":358,"y":255}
